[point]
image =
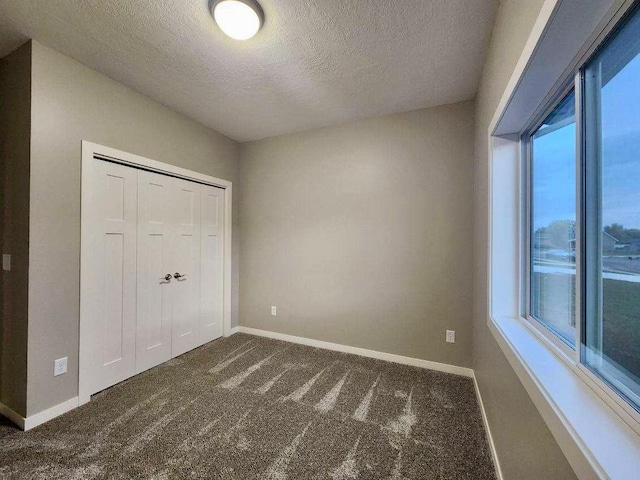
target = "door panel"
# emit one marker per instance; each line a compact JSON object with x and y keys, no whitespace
{"x":158,"y":319}
{"x":153,"y":340}
{"x":186,"y":262}
{"x":112,"y":269}
{"x":211,"y":264}
{"x":113,"y":289}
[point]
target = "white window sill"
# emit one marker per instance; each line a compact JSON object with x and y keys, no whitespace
{"x":593,"y":437}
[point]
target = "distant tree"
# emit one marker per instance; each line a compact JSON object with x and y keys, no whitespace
{"x":633,"y":233}
{"x":617,"y":231}
{"x":623,"y":235}
{"x":561,"y":232}
{"x":539,"y":238}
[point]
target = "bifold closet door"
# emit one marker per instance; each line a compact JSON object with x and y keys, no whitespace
{"x":111,"y":267}
{"x":211,"y":263}
{"x":155,"y":269}
{"x":186,"y":266}
{"x":152,"y":270}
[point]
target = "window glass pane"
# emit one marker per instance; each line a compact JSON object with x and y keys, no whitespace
{"x":612,"y":129}
{"x":553,"y":221}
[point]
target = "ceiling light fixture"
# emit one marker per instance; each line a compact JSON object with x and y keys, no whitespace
{"x":239,"y":19}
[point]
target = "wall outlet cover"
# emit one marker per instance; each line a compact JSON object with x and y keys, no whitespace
{"x":273,"y":310}
{"x":451,"y":336}
{"x":6,"y":262}
{"x":60,"y":366}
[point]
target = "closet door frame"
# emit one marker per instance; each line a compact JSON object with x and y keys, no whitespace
{"x":92,"y":152}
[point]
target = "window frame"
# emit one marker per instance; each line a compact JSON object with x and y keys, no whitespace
{"x":589,"y":215}
{"x":526,"y":140}
{"x":572,"y":356}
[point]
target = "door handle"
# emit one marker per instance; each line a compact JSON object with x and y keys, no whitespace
{"x":177,"y":276}
{"x":167,"y":277}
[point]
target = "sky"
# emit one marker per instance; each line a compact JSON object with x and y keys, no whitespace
{"x":554,"y":174}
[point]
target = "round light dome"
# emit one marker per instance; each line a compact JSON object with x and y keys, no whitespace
{"x":239,"y":19}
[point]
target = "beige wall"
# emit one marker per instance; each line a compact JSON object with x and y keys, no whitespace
{"x":360,"y":234}
{"x":72,"y":103}
{"x":525,"y":446}
{"x":15,"y":129}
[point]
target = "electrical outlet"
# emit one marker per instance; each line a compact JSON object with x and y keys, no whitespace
{"x":60,"y":366}
{"x":451,"y":336}
{"x":6,"y":262}
{"x":273,"y":310}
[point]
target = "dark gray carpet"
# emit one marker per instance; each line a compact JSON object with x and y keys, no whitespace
{"x":246,"y":408}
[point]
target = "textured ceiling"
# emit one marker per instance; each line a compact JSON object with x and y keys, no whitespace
{"x":315,"y":62}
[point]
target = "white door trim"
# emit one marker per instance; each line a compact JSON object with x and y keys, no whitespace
{"x":91,"y":150}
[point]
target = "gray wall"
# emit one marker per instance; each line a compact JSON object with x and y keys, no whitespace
{"x":15,"y":127}
{"x":72,"y":103}
{"x":361,"y":234}
{"x":525,"y":446}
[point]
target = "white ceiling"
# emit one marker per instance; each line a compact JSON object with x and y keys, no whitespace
{"x":314,"y":63}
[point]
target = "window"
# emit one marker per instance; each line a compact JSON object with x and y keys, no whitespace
{"x":611,"y":345}
{"x":553,"y":221}
{"x":583,"y":214}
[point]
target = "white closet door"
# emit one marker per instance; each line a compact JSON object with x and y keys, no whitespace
{"x":155,"y":231}
{"x":111,"y":266}
{"x":211,"y":263}
{"x":186,"y":265}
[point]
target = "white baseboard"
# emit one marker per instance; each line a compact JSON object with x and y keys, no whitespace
{"x":363,"y":352}
{"x":233,"y":331}
{"x":485,"y":420}
{"x":39,"y":418}
{"x":12,"y":415}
